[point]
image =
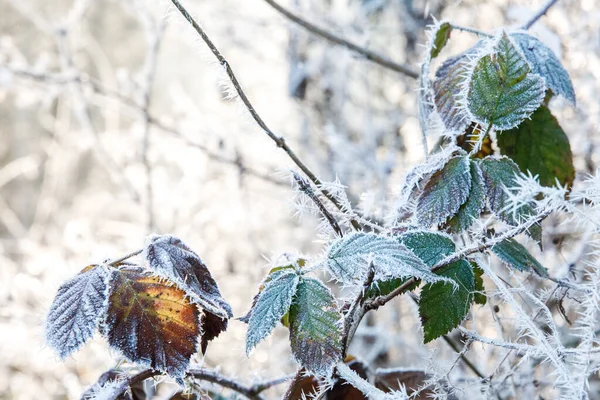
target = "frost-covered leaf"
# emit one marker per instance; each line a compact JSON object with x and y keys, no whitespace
{"x":170,"y":258}
{"x":77,"y":309}
{"x":152,"y":322}
{"x":449,"y":79}
{"x":545,"y":63}
{"x":272,"y":304}
{"x":315,"y":327}
{"x":440,"y":38}
{"x":502,"y":91}
{"x":444,"y":193}
{"x":212,"y":326}
{"x":441,"y":306}
{"x":471,"y":209}
{"x":516,"y":255}
{"x":499,"y":175}
{"x":430,"y":247}
{"x":385,"y":287}
{"x":348,"y":259}
{"x":479,"y":296}
{"x":541,"y":146}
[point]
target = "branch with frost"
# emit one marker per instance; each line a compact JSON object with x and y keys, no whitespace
{"x":366,"y":53}
{"x":539,"y":14}
{"x":279,"y":140}
{"x":370,"y":391}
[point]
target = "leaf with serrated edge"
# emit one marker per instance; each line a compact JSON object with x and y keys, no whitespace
{"x":449,"y":79}
{"x":539,"y":145}
{"x":545,"y":63}
{"x":502,"y":91}
{"x":516,"y":255}
{"x":499,"y":174}
{"x":444,"y":193}
{"x":77,"y":309}
{"x":441,"y":306}
{"x":212,"y":327}
{"x":169,"y":257}
{"x":479,"y":295}
{"x":272,"y":304}
{"x":315,"y":327}
{"x":348,"y":259}
{"x":152,"y":322}
{"x":472,"y":208}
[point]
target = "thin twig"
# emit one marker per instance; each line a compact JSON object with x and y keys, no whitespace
{"x":539,"y":14}
{"x":470,"y":30}
{"x":355,"y":312}
{"x":279,"y":141}
{"x":305,"y":187}
{"x":115,"y":262}
{"x":368,"y":54}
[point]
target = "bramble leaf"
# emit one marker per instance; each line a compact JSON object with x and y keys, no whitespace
{"x":212,"y":326}
{"x":348,"y":259}
{"x":430,"y":247}
{"x":499,"y":175}
{"x":541,"y":146}
{"x":315,"y":327}
{"x":479,"y":296}
{"x":152,"y":322}
{"x":441,"y":306}
{"x":170,"y":258}
{"x":516,"y":255}
{"x":545,"y":63}
{"x":272,"y":304}
{"x":502,"y":91}
{"x":77,"y":309}
{"x":444,"y":193}
{"x":471,"y":209}
{"x":449,"y":79}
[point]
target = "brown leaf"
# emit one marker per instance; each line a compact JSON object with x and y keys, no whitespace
{"x":152,"y":322}
{"x":212,"y":326}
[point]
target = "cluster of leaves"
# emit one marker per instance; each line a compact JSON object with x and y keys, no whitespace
{"x":152,"y":314}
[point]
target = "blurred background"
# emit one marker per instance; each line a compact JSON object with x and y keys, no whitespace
{"x":116,"y":122}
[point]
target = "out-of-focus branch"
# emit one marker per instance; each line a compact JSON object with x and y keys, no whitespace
{"x":279,"y":141}
{"x":368,"y":54}
{"x":539,"y":14}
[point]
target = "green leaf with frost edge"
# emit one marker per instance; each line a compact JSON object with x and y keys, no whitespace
{"x":315,"y":327}
{"x":471,"y":209}
{"x":441,"y":306}
{"x":502,"y":90}
{"x":516,"y":255}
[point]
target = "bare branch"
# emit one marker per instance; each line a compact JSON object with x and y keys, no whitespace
{"x":539,"y":14}
{"x":279,"y":141}
{"x":368,"y":54}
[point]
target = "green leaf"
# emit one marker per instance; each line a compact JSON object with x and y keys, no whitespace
{"x":499,"y":174}
{"x":444,"y":193}
{"x":315,"y":327}
{"x":541,"y":146}
{"x":479,"y":296}
{"x":516,"y":255}
{"x":502,"y":91}
{"x":430,"y":247}
{"x":449,"y":80}
{"x":272,"y":304}
{"x":442,"y":307}
{"x":545,"y":63}
{"x":440,"y":38}
{"x":471,"y":209}
{"x":348,"y":259}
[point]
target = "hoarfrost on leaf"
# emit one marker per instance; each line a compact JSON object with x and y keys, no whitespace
{"x":152,"y":322}
{"x":348,"y":259}
{"x":544,"y":62}
{"x":442,"y":307}
{"x":430,"y":247}
{"x":170,"y":258}
{"x":272,"y":304}
{"x":315,"y":327}
{"x":499,"y":175}
{"x":516,"y":255}
{"x":444,"y":193}
{"x":77,"y":309}
{"x":502,"y":91}
{"x":472,"y":208}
